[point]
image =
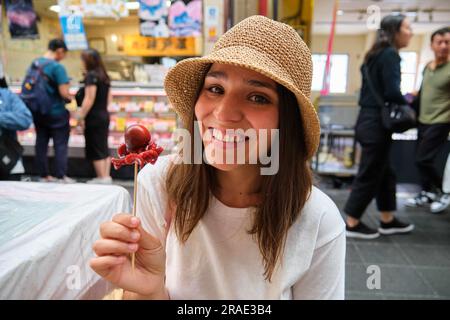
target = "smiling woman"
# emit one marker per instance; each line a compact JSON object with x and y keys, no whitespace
{"x":219,"y":230}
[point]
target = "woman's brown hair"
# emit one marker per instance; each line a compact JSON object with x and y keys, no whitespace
{"x":385,"y":37}
{"x":189,"y":188}
{"x":93,"y":62}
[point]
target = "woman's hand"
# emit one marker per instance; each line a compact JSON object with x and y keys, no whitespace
{"x":81,"y":124}
{"x":121,"y":237}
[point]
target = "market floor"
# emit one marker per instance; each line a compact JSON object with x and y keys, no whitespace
{"x":413,"y":266}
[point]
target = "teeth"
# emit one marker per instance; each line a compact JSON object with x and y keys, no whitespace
{"x":218,"y":135}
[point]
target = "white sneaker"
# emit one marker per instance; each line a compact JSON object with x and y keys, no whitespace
{"x":107,"y":180}
{"x":422,"y":199}
{"x":48,"y":179}
{"x":441,"y":204}
{"x":67,"y":180}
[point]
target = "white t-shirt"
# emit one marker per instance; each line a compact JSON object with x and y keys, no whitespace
{"x":220,"y":260}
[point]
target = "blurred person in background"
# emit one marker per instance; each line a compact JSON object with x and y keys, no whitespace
{"x":93,"y":114}
{"x":55,"y":124}
{"x":3,"y":83}
{"x":14,"y":115}
{"x":434,"y":124}
{"x":375,"y":177}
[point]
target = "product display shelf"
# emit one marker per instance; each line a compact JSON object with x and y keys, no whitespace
{"x":132,"y":103}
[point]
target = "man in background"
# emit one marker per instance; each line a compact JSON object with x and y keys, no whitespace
{"x":55,"y":124}
{"x":434,"y":124}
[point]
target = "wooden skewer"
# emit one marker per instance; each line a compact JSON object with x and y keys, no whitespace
{"x":133,"y":255}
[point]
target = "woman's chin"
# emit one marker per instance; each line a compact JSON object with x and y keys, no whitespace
{"x":225,"y":166}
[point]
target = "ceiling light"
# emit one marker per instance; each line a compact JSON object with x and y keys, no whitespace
{"x":133,"y":5}
{"x":340,"y":12}
{"x":55,"y":8}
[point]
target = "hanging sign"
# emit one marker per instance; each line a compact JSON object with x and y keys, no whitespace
{"x":185,"y":18}
{"x":153,"y":18}
{"x":135,"y":45}
{"x":73,"y":30}
{"x":22,"y":19}
{"x":94,"y":8}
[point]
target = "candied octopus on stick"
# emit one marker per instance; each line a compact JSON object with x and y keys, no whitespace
{"x":138,"y":149}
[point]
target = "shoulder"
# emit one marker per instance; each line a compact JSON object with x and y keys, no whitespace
{"x":55,"y":65}
{"x":9,"y":95}
{"x":390,"y":53}
{"x":91,"y":77}
{"x":153,"y":175}
{"x":57,"y":69}
{"x":320,"y":219}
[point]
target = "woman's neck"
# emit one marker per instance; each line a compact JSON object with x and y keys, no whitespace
{"x":240,"y":187}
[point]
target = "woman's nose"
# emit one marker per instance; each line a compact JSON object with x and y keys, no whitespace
{"x":228,"y":110}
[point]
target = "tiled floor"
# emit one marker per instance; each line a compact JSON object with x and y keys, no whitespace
{"x":413,"y":266}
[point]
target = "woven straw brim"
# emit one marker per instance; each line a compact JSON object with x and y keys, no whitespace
{"x":183,"y":81}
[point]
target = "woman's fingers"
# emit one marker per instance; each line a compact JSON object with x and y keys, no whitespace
{"x":114,"y":230}
{"x":103,"y":265}
{"x":104,"y":247}
{"x":126,"y":220}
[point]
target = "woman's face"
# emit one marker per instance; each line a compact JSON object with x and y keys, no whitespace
{"x":404,"y":35}
{"x":235,"y":98}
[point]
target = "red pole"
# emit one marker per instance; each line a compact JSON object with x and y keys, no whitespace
{"x":326,"y":78}
{"x":263,"y":7}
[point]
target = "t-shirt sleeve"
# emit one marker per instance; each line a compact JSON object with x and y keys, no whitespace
{"x":91,"y":79}
{"x":59,"y":74}
{"x":325,"y":278}
{"x":151,"y":203}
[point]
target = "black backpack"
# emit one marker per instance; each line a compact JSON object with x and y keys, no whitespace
{"x":34,"y":89}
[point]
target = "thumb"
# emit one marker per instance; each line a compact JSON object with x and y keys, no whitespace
{"x":147,"y":241}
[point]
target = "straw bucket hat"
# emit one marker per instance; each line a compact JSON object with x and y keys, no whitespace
{"x":260,"y":44}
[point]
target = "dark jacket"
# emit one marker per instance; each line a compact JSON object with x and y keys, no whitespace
{"x":384,"y":71}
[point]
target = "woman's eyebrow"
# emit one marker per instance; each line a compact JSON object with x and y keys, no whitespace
{"x":261,"y":84}
{"x":251,"y":82}
{"x":217,"y":74}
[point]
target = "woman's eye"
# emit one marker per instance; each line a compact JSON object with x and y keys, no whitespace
{"x":259,"y":99}
{"x":214,"y":89}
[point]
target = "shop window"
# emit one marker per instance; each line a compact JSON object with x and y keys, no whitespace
{"x":409,"y":70}
{"x":338,"y":74}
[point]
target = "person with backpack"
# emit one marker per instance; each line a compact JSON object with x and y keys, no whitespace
{"x":45,"y":91}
